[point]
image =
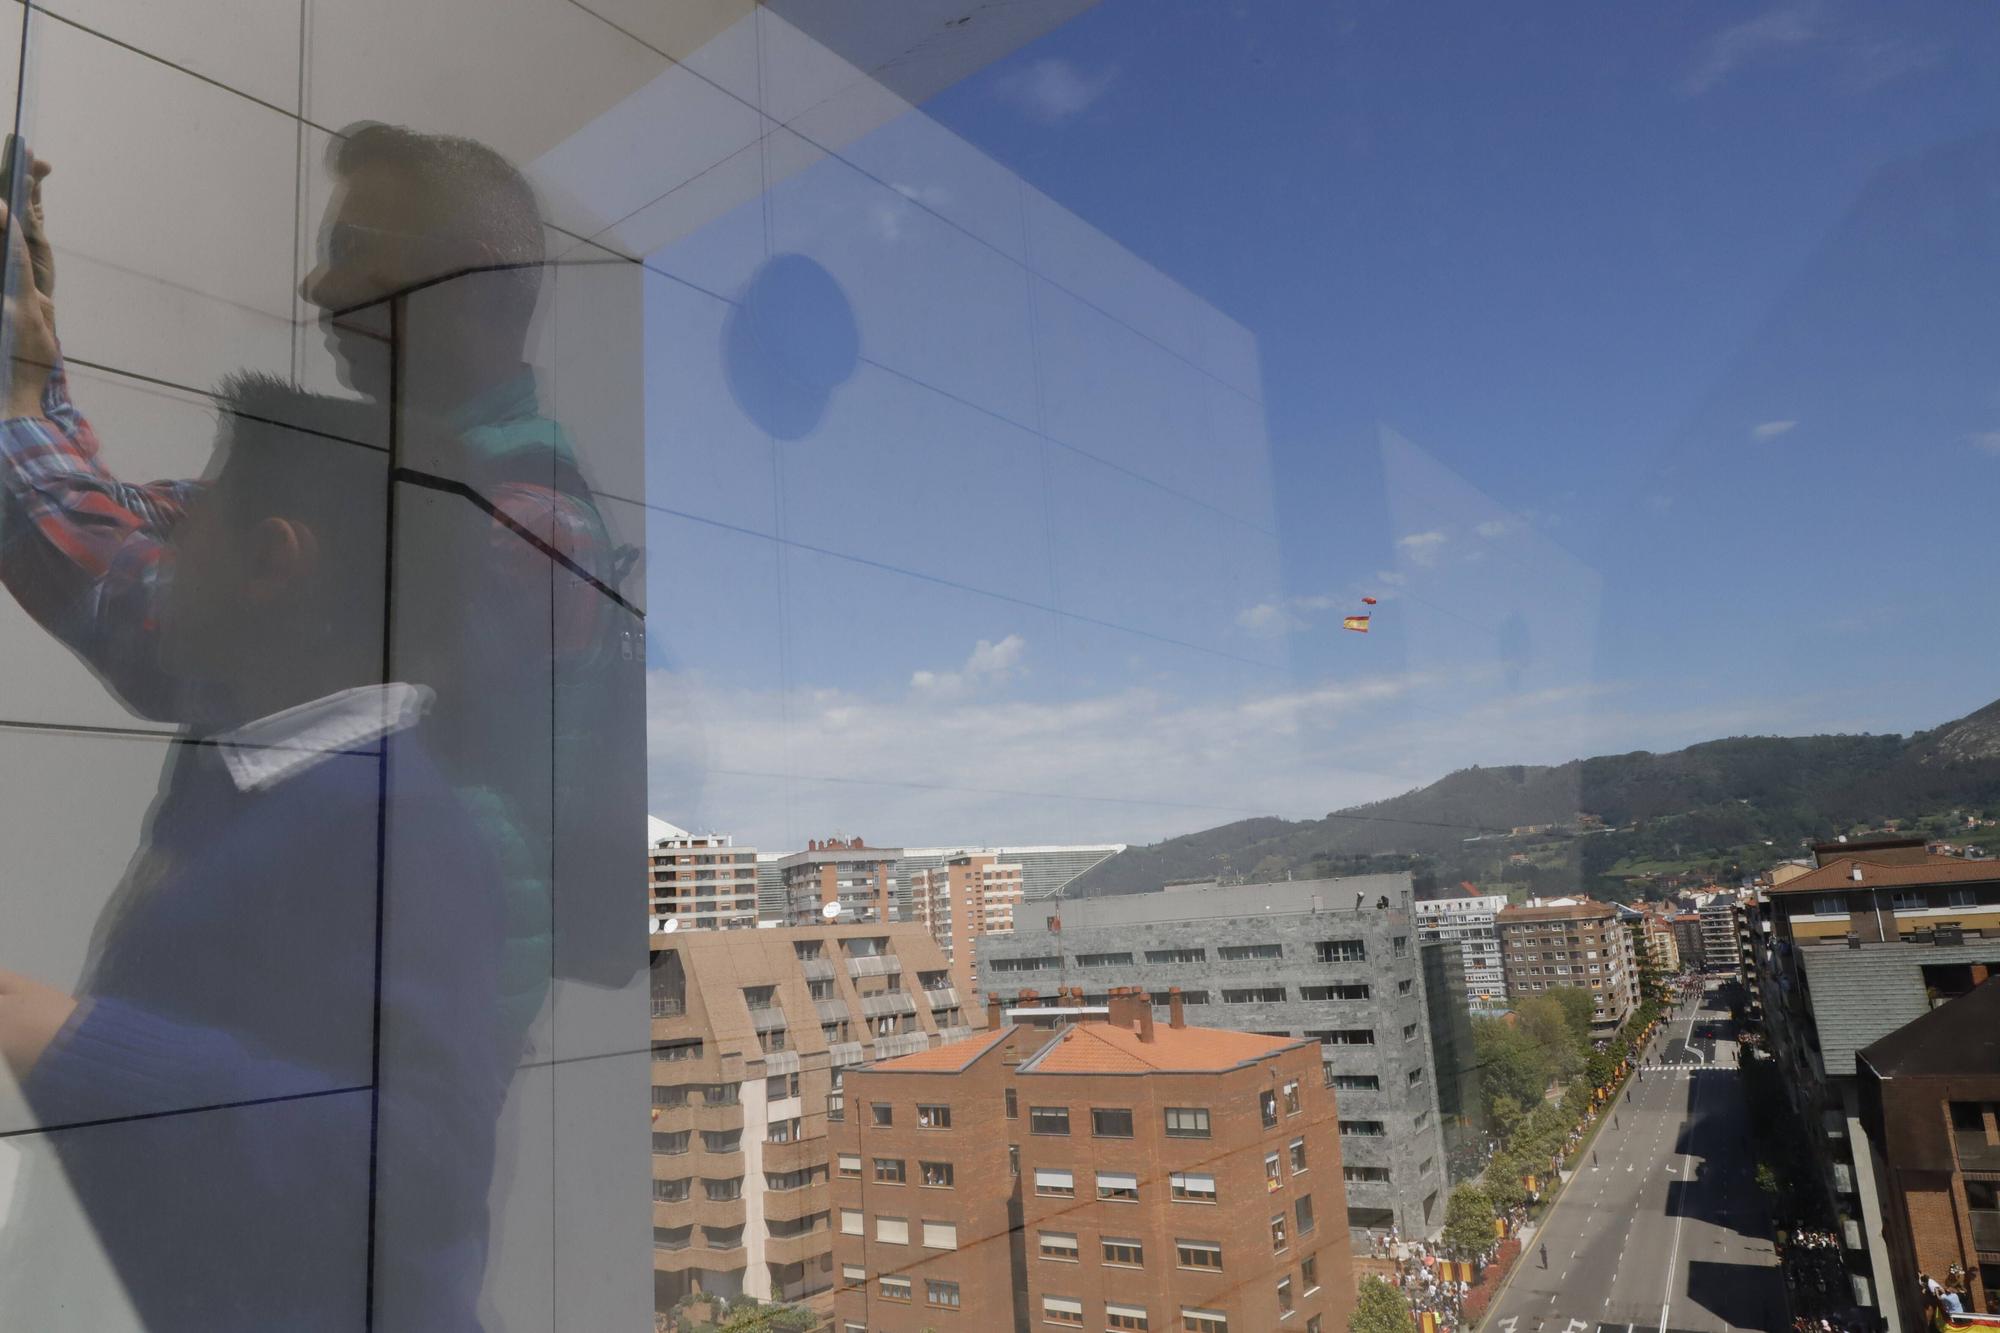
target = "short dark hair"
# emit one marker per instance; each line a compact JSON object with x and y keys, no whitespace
{"x":467,"y":195}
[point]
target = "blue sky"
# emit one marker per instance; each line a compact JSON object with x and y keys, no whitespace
{"x":1641,"y":362}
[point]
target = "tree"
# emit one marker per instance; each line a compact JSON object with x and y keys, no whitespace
{"x":1577,"y":1010}
{"x":1380,"y":1308}
{"x":1576,"y":1100}
{"x":1598,"y":1068}
{"x":754,"y":1318}
{"x":1503,"y":1182}
{"x":1468,"y":1220}
{"x":1506,"y":1115}
{"x":1511,"y":1065}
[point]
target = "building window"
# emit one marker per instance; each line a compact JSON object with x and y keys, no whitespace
{"x":1055,"y":1183}
{"x":1830,"y":904}
{"x":943,"y":1295}
{"x":1403,"y":986}
{"x":1122,"y":1186}
{"x":1362,"y":1129}
{"x":672,"y":1144}
{"x":1365,"y":1175}
{"x":852,"y":1275}
{"x":1345,"y":1036}
{"x":1127,"y":1317}
{"x":1291,"y":1095}
{"x":933,"y":1115}
{"x":889,"y":1171}
{"x":1274,"y":1176}
{"x":1424,"y":1167}
{"x":849,"y":1166}
{"x":1111,"y":1122}
{"x":1302,"y":1213}
{"x":1123,"y":1250}
{"x":1284,"y":1295}
{"x":1414,"y":1077}
{"x":1176,"y":955}
{"x":1309,"y":1273}
{"x":1961,"y":897}
{"x":1298,"y":1156}
{"x":1104,"y":960}
{"x":1192,"y":1187}
{"x":881,"y":1114}
{"x":1013,"y":1107}
{"x":1280,"y":1233}
{"x":1048,"y":1120}
{"x":1351,"y":1082}
{"x":850,"y":1222}
{"x":721,"y":1191}
{"x":1253,"y":995}
{"x":1062,"y":1310}
{"x":1198,"y":1254}
{"x":1058,"y":1245}
{"x":894,"y":1289}
{"x":892,"y":1230}
{"x":1909,"y":900}
{"x":935,"y":1175}
{"x":1341,"y":951}
{"x":940,"y":1235}
{"x":1409,"y":1032}
{"x":1195,"y":1320}
{"x":1267,"y":1107}
{"x":1187,"y":1122}
{"x":1236,"y":953}
{"x":780,"y":1086}
{"x":721,"y":1140}
{"x":1352,"y":990}
{"x":671,"y":1191}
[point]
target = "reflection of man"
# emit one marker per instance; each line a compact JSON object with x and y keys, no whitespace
{"x":321,"y":1085}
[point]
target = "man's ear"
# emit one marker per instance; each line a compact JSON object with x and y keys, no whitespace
{"x":284,"y":553}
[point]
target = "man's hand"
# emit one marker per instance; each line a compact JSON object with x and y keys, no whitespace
{"x":30,"y":312}
{"x":31,"y":1014}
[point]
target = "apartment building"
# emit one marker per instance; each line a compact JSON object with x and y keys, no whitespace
{"x":1656,"y":942}
{"x":1880,"y":932}
{"x":1720,"y":921}
{"x":1092,"y":1168}
{"x":962,"y":898}
{"x":1930,"y":1105}
{"x":847,"y":871}
{"x":753,"y":1032}
{"x":1334,"y":959}
{"x":699,"y":881}
{"x":1686,"y":928}
{"x":1464,"y":918}
{"x":1046,"y":868}
{"x":1549,"y":944}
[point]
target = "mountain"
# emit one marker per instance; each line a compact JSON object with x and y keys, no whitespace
{"x":1615,"y":824}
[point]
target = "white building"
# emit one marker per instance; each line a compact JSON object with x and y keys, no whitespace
{"x":1468,"y":918}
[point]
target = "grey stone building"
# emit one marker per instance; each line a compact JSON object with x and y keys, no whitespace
{"x":1334,"y":958}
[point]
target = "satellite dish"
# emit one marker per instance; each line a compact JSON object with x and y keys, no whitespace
{"x":830,"y":911}
{"x":670,"y":925}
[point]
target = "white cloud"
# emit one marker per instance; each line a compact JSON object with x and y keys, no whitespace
{"x":1771,"y":430}
{"x":1740,"y":44}
{"x":989,"y":663}
{"x":1390,"y":578}
{"x":1053,"y":90}
{"x":1988,"y":440}
{"x":1423,"y":548}
{"x":1497,"y":527}
{"x":1271,"y":619}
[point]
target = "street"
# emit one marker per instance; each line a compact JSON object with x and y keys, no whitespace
{"x":1667,"y":1231}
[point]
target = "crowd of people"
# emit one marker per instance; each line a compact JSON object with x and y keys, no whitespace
{"x":1421,"y":1275}
{"x":1816,"y":1282}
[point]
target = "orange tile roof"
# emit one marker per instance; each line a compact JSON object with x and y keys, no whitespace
{"x":1839,"y":874}
{"x":1106,"y":1048}
{"x":946,"y":1059}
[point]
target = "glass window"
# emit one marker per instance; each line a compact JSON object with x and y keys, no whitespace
{"x":940,"y":1293}
{"x":1187,"y":1122}
{"x":1063,"y":1311}
{"x":894,"y":1288}
{"x":889,"y":1171}
{"x":935,"y":1175}
{"x":1198,"y":1254}
{"x":1055,"y":1182}
{"x":1057,"y":1245}
{"x":933,"y":1115}
{"x":1048,"y":1120}
{"x":892,"y":1230}
{"x":1119,"y":1185}
{"x":881,"y":1114}
{"x":1298,"y":1155}
{"x":1192,"y":1186}
{"x":1125,"y":1317}
{"x":1123,"y":1250}
{"x":1111,"y":1122}
{"x":940,"y":1235}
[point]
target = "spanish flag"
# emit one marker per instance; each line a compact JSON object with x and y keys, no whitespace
{"x":1427,"y":1322}
{"x":1359,"y":624}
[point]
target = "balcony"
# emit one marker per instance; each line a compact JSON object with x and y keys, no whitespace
{"x":889,"y":1002}
{"x":941,"y":997}
{"x":875,"y":965}
{"x":768,"y":1019}
{"x":816,"y":969}
{"x":830,"y":1011}
{"x":669,"y":1006}
{"x":1985,"y":1229}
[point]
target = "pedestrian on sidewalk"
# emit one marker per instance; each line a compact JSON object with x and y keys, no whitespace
{"x":1593,"y":1157}
{"x":1545,"y":1256}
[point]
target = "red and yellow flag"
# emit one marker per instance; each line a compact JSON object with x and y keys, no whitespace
{"x":1359,"y":624}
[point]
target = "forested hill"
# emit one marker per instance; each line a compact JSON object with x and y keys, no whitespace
{"x":1615,"y":823}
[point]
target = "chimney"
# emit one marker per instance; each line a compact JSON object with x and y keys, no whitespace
{"x":1175,"y":1018}
{"x":1126,"y":1005}
{"x":1145,"y":1015}
{"x":993,"y":1013}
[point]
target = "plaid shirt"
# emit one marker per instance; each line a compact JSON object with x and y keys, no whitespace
{"x":91,"y":557}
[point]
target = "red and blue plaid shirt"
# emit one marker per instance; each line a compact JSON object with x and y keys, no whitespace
{"x":90,"y":557}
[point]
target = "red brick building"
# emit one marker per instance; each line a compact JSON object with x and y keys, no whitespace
{"x":1091,"y":1169}
{"x":1930,"y":1095}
